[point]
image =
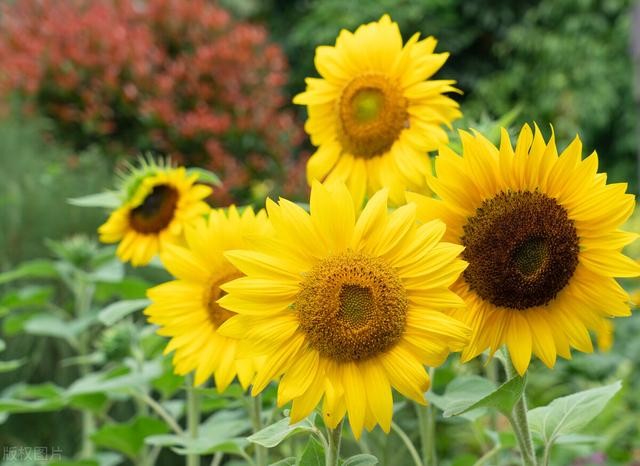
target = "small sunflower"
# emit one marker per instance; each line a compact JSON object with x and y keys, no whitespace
{"x":186,"y":308}
{"x":346,"y":308}
{"x":375,"y":113}
{"x":541,"y":235}
{"x":159,"y":202}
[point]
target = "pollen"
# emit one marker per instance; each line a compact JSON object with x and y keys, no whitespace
{"x":372,"y":114}
{"x":522,"y":249}
{"x":156,"y":211}
{"x":352,"y":307}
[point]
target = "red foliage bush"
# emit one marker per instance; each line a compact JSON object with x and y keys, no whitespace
{"x":177,"y":77}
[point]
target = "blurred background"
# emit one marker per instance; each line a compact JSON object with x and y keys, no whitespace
{"x":88,"y":84}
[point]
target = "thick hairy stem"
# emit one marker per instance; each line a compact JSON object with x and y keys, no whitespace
{"x":332,"y":454}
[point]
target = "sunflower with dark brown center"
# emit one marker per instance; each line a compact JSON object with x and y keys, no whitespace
{"x":376,"y":111}
{"x":541,"y":235}
{"x":186,"y":309}
{"x":344,"y":308}
{"x":159,"y":204}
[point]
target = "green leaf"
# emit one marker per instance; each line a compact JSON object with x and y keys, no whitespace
{"x":40,"y":268}
{"x":3,"y":345}
{"x":32,"y":398}
{"x":470,"y":395}
{"x":129,"y":437}
{"x":361,"y":460}
{"x":205,"y":176}
{"x":115,"y":381}
{"x":272,"y":435}
{"x":116,"y":311}
{"x":108,"y":199}
{"x":568,"y":414}
{"x":8,"y":366}
{"x":109,"y":272}
{"x":50,"y":326}
{"x":290,"y":461}
{"x":313,"y":454}
{"x":461,"y":393}
{"x":91,"y":401}
{"x":503,"y":399}
{"x":219,"y":433}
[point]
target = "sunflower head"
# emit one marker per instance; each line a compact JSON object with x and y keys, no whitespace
{"x":375,"y":113}
{"x":345,"y":307}
{"x":541,"y":232}
{"x":158,"y":202}
{"x":186,"y":308}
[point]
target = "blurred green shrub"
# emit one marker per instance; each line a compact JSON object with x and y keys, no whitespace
{"x":179,"y":78}
{"x":37,"y":177}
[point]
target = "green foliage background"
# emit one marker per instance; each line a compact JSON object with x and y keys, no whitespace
{"x":565,"y":62}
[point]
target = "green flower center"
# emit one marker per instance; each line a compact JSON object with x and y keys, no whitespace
{"x":372,"y":113}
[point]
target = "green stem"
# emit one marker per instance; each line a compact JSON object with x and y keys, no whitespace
{"x":83,"y":294}
{"x":193,"y":418}
{"x":407,"y":442}
{"x":332,"y":454}
{"x":427,"y":429}
{"x":518,"y":420}
{"x":256,"y":420}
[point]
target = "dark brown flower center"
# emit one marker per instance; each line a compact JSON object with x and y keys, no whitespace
{"x":352,"y":307}
{"x":217,"y":314}
{"x":372,"y":114}
{"x":522,"y":249}
{"x":156,"y":211}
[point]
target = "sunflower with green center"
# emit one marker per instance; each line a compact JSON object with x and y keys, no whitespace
{"x":375,"y":113}
{"x":159,"y":202}
{"x":344,"y":308}
{"x":542,"y":237}
{"x":186,"y":309}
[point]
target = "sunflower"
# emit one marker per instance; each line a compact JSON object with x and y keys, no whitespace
{"x":541,"y":235}
{"x":375,"y":112}
{"x":160,"y":202}
{"x":186,"y":308}
{"x":345,"y":309}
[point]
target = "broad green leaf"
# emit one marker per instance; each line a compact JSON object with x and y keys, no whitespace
{"x":290,"y":461}
{"x":39,"y":268}
{"x":102,"y":458}
{"x":116,"y":311}
{"x":568,"y":414}
{"x":461,"y":393}
{"x":3,"y":345}
{"x":205,"y":176}
{"x":272,"y":435}
{"x":502,"y":399}
{"x":8,"y":366}
{"x":109,"y":272}
{"x":108,"y":199}
{"x":115,"y":381}
{"x":50,"y":325}
{"x":313,"y":453}
{"x":206,"y":446}
{"x":90,"y":401}
{"x":32,"y":398}
{"x":361,"y":460}
{"x":26,"y":296}
{"x":129,"y":437}
{"x":219,"y":433}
